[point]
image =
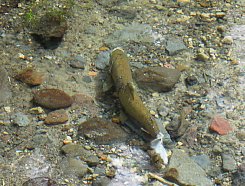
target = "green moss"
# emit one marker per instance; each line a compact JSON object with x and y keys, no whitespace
{"x":59,"y":10}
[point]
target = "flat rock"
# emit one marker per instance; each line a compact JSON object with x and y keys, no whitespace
{"x":30,"y":76}
{"x":102,"y":181}
{"x":174,"y":46}
{"x":239,"y":176}
{"x":203,"y":161}
{"x":74,"y":150}
{"x":86,"y":102}
{"x":102,"y":60}
{"x":79,"y":62}
{"x":56,"y":117}
{"x":20,"y":119}
{"x":52,"y":98}
{"x":185,"y":171}
{"x":44,"y":181}
{"x":102,"y":131}
{"x":228,"y":162}
{"x":139,"y":33}
{"x":72,"y":166}
{"x":160,"y":79}
{"x":220,"y":125}
{"x":5,"y":93}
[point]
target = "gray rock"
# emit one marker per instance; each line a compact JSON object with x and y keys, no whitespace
{"x":203,"y":161}
{"x":228,"y":162}
{"x":78,"y":62}
{"x":5,"y":93}
{"x":239,"y":176}
{"x":102,"y":131}
{"x":102,"y":181}
{"x":217,"y":149}
{"x":20,"y":119}
{"x":44,"y":181}
{"x":109,"y":3}
{"x":189,"y":173}
{"x":102,"y":60}
{"x":124,"y":12}
{"x":73,"y":150}
{"x":87,"y":79}
{"x":174,"y":46}
{"x":90,"y":30}
{"x":160,"y":79}
{"x":39,"y":140}
{"x":243,"y":151}
{"x":72,"y":166}
{"x":139,"y":33}
{"x":100,"y":169}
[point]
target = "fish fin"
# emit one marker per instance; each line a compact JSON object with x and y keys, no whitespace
{"x":157,"y":145}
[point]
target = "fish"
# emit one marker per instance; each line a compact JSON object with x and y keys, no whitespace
{"x":132,"y":103}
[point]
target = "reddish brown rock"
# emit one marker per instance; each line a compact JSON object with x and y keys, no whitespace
{"x":56,"y":117}
{"x":220,"y":125}
{"x":102,"y":131}
{"x":159,"y":79}
{"x":86,"y":102}
{"x":52,"y":98}
{"x":30,"y":76}
{"x":82,"y":99}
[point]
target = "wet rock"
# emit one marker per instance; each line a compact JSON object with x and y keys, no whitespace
{"x":185,"y":171}
{"x":52,"y":98}
{"x":102,"y":181}
{"x":220,"y":125}
{"x":217,"y":149}
{"x":72,"y":166}
{"x":227,"y":40}
{"x":179,"y":126}
{"x":202,"y":57}
{"x":110,"y":172}
{"x":82,"y":99}
{"x":139,"y":33}
{"x":190,"y":136}
{"x":87,"y":103}
{"x":30,"y":76}
{"x":203,"y":161}
{"x":74,"y":150}
{"x":174,"y":46}
{"x":49,"y":29}
{"x":20,"y":119}
{"x":102,"y":60}
{"x":78,"y":62}
{"x":160,"y":79}
{"x":102,"y":131}
{"x":239,"y":176}
{"x":40,"y":181}
{"x":241,"y":135}
{"x":5,"y":93}
{"x":228,"y":162}
{"x":109,"y":3}
{"x":191,"y":80}
{"x":100,"y":169}
{"x":124,"y":12}
{"x":87,"y":79}
{"x":56,"y":117}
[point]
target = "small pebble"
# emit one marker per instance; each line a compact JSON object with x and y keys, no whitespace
{"x":56,"y":117}
{"x":227,"y":40}
{"x":220,"y":125}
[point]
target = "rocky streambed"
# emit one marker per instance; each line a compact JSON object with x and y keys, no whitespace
{"x":61,"y":121}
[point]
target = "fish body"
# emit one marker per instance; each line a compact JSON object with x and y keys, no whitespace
{"x":132,"y":103}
